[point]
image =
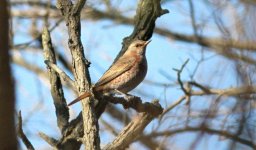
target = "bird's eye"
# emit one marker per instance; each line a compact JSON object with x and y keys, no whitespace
{"x":138,"y":45}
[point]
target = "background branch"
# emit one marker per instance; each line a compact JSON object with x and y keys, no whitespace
{"x":21,"y":134}
{"x":205,"y":129}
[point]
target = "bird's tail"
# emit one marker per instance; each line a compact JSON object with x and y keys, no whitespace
{"x":80,"y":98}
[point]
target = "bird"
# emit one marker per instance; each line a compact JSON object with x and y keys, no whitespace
{"x":125,"y":74}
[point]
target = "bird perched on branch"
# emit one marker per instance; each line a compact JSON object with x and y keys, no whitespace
{"x":125,"y":74}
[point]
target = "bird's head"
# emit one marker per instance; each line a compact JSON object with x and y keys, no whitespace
{"x":138,"y":46}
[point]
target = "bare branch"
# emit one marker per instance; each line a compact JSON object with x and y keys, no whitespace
{"x":205,"y":129}
{"x":130,"y":132}
{"x":109,"y":127}
{"x":51,"y":141}
{"x":21,"y":134}
{"x":220,"y":92}
{"x":179,"y":71}
{"x":91,"y":138}
{"x":177,"y":102}
{"x":144,"y":22}
{"x":78,"y":6}
{"x":134,"y":102}
{"x":227,"y":92}
{"x":24,"y":45}
{"x":56,"y":86}
{"x":94,"y":14}
{"x":62,"y":74}
{"x":192,"y":16}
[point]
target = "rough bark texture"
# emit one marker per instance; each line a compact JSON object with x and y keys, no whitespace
{"x":56,"y":86}
{"x":147,"y":13}
{"x":71,"y":13}
{"x":130,"y":132}
{"x":144,"y":22}
{"x":7,"y":103}
{"x":86,"y":124}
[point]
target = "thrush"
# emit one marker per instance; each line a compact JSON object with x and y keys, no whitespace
{"x":125,"y":74}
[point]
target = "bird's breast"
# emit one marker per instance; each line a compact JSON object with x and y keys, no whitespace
{"x":129,"y":79}
{"x":133,"y":77}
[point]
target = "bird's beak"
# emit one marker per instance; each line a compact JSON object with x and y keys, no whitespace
{"x":147,"y":42}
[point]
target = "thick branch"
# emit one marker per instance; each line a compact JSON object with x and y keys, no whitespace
{"x":56,"y":86}
{"x":144,"y":22}
{"x":134,"y":102}
{"x":130,"y":132}
{"x":80,"y":69}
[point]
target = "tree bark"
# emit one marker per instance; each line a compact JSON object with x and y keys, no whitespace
{"x":71,"y":13}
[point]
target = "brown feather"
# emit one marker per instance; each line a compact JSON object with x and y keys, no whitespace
{"x":121,"y":66}
{"x":79,"y":98}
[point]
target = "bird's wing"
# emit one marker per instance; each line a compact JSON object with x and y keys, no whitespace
{"x":118,"y":68}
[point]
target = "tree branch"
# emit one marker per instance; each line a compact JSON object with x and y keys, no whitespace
{"x":51,"y":141}
{"x":134,"y":102}
{"x":21,"y":134}
{"x":179,"y":71}
{"x":205,"y":129}
{"x":94,"y":14}
{"x":206,"y":91}
{"x":91,"y":138}
{"x":60,"y":72}
{"x":146,"y":15}
{"x":144,"y":22}
{"x":130,"y":132}
{"x":56,"y":86}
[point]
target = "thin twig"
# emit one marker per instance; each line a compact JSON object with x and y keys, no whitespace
{"x":220,"y":92}
{"x":62,"y":74}
{"x":24,"y":45}
{"x":51,"y":141}
{"x":95,"y":14}
{"x":205,"y":129}
{"x":179,"y":71}
{"x":173,"y":105}
{"x":21,"y":134}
